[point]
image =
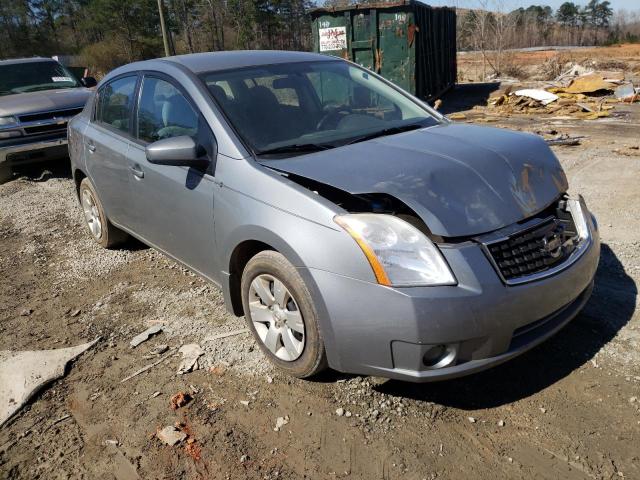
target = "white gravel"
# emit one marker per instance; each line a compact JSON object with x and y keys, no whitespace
{"x":46,"y":212}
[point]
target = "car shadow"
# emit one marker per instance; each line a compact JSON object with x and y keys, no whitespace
{"x":330,"y":376}
{"x":132,"y":244}
{"x":610,"y":308}
{"x":42,"y":171}
{"x":465,"y":96}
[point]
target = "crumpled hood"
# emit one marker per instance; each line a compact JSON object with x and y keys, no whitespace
{"x":42,"y":101}
{"x":461,"y":179}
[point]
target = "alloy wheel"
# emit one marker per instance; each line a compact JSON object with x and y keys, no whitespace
{"x":276,"y":317}
{"x":91,"y":213}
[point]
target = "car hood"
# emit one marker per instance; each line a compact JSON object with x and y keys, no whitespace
{"x":460,"y":179}
{"x":42,"y":101}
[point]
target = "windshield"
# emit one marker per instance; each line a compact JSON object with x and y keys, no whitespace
{"x":301,"y":107}
{"x":34,"y":76}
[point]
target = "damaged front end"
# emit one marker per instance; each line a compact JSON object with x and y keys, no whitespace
{"x":460,"y":180}
{"x":396,"y":242}
{"x":381,"y":203}
{"x":533,"y":248}
{"x":485,"y":299}
{"x":503,"y":191}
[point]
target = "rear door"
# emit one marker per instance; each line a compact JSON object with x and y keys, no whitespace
{"x":173,"y":205}
{"x":107,"y":140}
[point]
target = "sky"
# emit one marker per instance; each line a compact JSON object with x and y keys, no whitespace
{"x":513,"y":4}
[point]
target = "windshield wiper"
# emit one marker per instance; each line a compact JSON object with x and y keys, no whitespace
{"x":296,"y":148}
{"x":384,"y":132}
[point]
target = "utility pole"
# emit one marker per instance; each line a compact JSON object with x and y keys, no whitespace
{"x":163,"y":27}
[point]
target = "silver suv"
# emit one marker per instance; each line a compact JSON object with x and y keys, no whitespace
{"x":38,"y":96}
{"x":352,"y":225}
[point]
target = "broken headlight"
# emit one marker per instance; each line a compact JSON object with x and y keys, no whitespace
{"x":399,"y":254}
{"x":579,"y":212}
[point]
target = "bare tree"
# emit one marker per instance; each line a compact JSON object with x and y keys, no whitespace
{"x":491,"y":30}
{"x":477,"y":23}
{"x":501,"y":28}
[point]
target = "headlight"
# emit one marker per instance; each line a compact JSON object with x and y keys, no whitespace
{"x":579,"y":212}
{"x":400,"y":255}
{"x":8,"y":121}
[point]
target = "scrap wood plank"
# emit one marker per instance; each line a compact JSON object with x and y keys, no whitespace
{"x":145,"y":368}
{"x":226,"y":334}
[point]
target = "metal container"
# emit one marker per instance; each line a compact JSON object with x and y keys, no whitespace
{"x":407,"y":42}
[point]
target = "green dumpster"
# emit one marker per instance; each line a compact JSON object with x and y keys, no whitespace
{"x":407,"y":42}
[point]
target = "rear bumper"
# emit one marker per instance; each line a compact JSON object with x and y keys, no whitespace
{"x":376,"y":330}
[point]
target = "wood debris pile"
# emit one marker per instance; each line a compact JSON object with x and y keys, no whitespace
{"x":588,"y":96}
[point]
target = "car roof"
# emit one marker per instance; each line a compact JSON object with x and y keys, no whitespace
{"x":215,"y":61}
{"x":218,"y":61}
{"x":14,"y":61}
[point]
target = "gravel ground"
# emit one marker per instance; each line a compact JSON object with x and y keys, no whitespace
{"x":567,"y":409}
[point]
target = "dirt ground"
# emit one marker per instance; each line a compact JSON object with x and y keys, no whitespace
{"x":568,"y":409}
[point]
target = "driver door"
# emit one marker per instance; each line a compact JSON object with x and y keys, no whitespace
{"x":173,"y":205}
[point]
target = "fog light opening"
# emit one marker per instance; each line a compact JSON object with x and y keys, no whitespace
{"x":439,"y":356}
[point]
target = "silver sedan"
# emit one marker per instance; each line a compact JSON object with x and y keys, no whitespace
{"x":353,"y":226}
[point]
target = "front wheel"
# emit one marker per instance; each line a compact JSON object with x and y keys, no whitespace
{"x":5,"y":172}
{"x":281,"y":315}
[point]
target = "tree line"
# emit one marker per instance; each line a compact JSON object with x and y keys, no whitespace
{"x":492,"y":31}
{"x":539,"y":25}
{"x":108,"y":33}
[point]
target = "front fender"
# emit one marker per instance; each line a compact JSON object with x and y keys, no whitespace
{"x":258,"y":205}
{"x":255,"y":203}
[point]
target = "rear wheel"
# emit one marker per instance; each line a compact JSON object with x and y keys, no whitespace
{"x":280,"y":313}
{"x":96,"y":221}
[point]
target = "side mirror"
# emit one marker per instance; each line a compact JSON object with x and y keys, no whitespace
{"x":88,"y":82}
{"x":179,"y":151}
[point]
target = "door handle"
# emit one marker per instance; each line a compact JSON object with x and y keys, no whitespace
{"x":91,"y":147}
{"x":137,"y":171}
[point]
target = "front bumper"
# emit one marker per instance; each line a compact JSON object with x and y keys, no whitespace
{"x":376,"y":330}
{"x":24,"y":150}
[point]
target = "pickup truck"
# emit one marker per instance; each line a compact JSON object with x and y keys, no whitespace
{"x":38,"y":96}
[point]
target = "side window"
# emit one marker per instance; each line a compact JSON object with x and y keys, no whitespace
{"x":164,"y":112}
{"x":115,"y":102}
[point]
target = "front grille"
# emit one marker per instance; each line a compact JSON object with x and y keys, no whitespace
{"x":34,"y":117}
{"x":49,"y":128}
{"x":536,"y":249}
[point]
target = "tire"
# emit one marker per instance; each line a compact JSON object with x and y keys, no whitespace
{"x":265,"y":270}
{"x":5,"y":173}
{"x":96,"y":221}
